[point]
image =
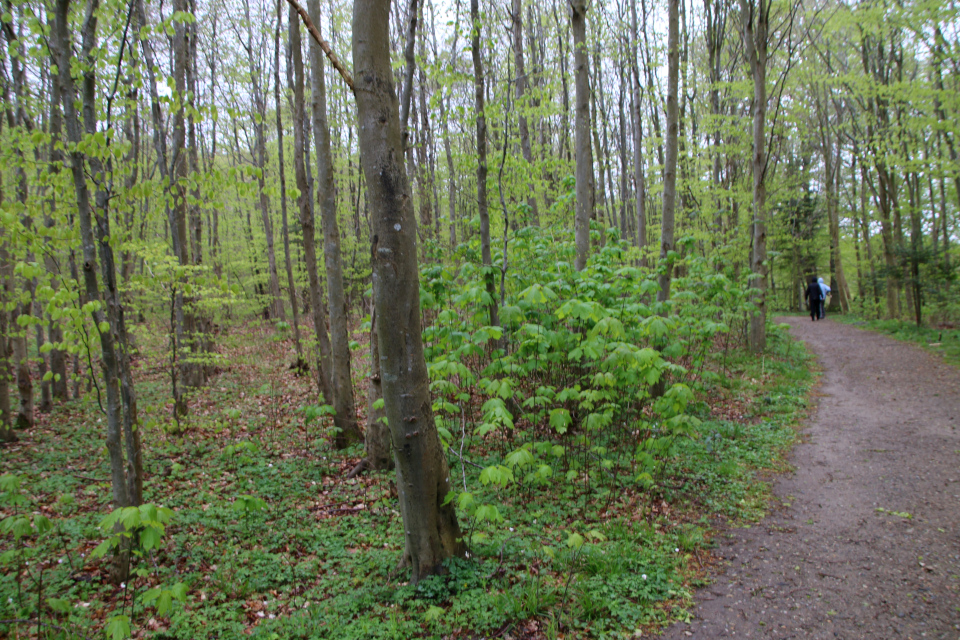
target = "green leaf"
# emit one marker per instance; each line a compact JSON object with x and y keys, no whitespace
{"x":118,"y":628}
{"x":150,"y":595}
{"x":575,"y":541}
{"x":59,"y":605}
{"x":560,"y":420}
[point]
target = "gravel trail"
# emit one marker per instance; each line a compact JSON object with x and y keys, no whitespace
{"x":866,"y":540}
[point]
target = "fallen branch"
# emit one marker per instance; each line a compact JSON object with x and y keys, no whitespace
{"x":327,"y":49}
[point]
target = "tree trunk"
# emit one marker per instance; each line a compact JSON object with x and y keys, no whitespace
{"x":637,"y":102}
{"x":755,"y":19}
{"x":671,"y":150}
{"x":281,"y":170}
{"x":584,"y":176}
{"x":341,"y":380}
{"x":6,"y":372}
{"x":522,"y":88}
{"x":431,"y":530}
{"x":122,"y":432}
{"x":479,"y":86}
{"x":307,"y":223}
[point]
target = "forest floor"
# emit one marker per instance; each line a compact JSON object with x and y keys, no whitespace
{"x":866,"y":540}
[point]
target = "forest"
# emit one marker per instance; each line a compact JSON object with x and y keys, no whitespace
{"x":450,"y":319}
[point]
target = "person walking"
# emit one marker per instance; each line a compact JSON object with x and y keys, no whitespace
{"x":814,"y":296}
{"x":825,"y":289}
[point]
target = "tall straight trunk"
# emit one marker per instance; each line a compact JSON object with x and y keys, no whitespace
{"x":861,"y":285}
{"x":444,"y":122}
{"x":584,"y":175}
{"x":716,"y":19}
{"x":345,"y":418}
{"x":479,"y":86}
{"x":601,"y":203}
{"x":260,"y":159}
{"x":637,"y":103}
{"x":189,"y":328}
{"x":16,"y":118}
{"x":307,"y":224}
{"x":916,"y":246}
{"x":122,"y":432}
{"x":214,"y":211}
{"x":842,"y":288}
{"x":832,"y":165}
{"x":755,"y":17}
{"x":865,"y":229}
{"x":622,"y":148}
{"x":522,"y":88}
{"x":6,"y":292}
{"x":432,"y":533}
{"x":564,"y":85}
{"x":194,"y":221}
{"x":58,"y":358}
{"x":282,"y":171}
{"x":944,"y":225}
{"x":671,"y":148}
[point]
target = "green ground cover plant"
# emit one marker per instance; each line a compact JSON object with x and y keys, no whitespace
{"x":596,"y":440}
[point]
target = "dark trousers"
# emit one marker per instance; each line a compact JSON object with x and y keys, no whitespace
{"x":815,"y":309}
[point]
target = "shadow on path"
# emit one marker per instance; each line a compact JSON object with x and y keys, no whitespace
{"x":866,"y":541}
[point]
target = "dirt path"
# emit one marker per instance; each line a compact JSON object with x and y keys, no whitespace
{"x":841,"y":558}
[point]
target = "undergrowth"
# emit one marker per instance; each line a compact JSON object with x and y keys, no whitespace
{"x":597,"y":440}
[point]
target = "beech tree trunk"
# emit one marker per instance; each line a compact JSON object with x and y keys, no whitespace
{"x":123,"y":440}
{"x":282,"y":171}
{"x":637,"y":102}
{"x":6,"y":372}
{"x":584,"y":176}
{"x":672,"y":148}
{"x":522,"y":88}
{"x":341,"y":380}
{"x":307,"y":223}
{"x":432,"y":533}
{"x":478,"y":85}
{"x":755,"y":22}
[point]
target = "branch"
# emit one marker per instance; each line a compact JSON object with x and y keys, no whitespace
{"x":315,"y":34}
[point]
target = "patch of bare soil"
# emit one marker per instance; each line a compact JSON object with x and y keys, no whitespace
{"x":866,"y":542}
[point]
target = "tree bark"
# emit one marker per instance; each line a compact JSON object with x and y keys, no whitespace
{"x":122,"y":432}
{"x":341,"y":380}
{"x":307,"y":223}
{"x":479,"y":86}
{"x":432,"y":533}
{"x":671,"y":150}
{"x":755,"y":22}
{"x":585,"y":185}
{"x":523,"y":84}
{"x":636,"y":103}
{"x":260,"y":156}
{"x":282,"y":171}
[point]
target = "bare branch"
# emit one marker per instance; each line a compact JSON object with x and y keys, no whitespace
{"x":315,"y":34}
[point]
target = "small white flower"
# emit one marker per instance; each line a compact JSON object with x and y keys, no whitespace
{"x":511,"y":528}
{"x":644,"y":576}
{"x":270,"y":465}
{"x":60,"y":561}
{"x":10,"y":600}
{"x":676,"y":550}
{"x":123,"y":585}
